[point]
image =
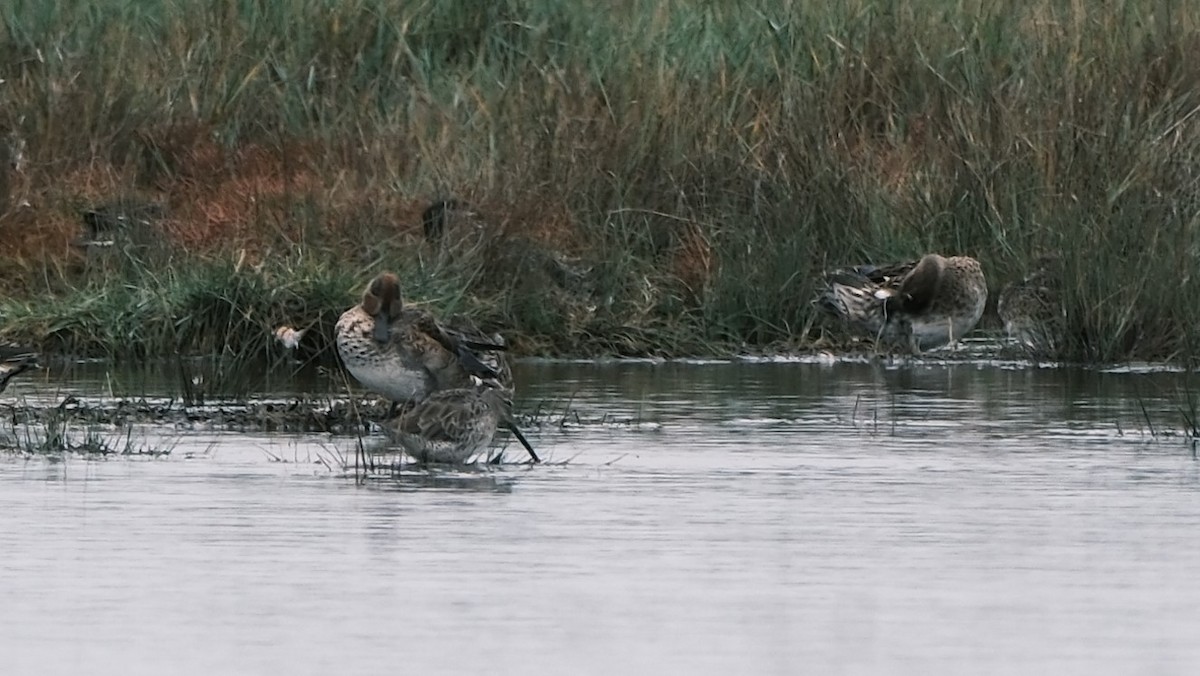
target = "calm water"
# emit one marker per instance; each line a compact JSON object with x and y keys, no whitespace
{"x":765,"y":518}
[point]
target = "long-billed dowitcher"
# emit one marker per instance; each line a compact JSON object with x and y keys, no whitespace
{"x":917,"y":305}
{"x":451,"y":426}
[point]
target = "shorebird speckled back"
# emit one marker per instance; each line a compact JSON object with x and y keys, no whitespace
{"x":1032,"y":309}
{"x":452,"y":426}
{"x":917,"y":305}
{"x":405,"y":354}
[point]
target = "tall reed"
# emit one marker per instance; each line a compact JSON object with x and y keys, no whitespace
{"x":701,"y":161}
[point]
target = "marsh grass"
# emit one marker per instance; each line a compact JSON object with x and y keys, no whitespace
{"x":703,"y":162}
{"x":57,"y":432}
{"x":1187,"y":402}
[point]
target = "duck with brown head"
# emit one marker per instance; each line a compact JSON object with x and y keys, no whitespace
{"x":404,"y":353}
{"x":914,"y":306}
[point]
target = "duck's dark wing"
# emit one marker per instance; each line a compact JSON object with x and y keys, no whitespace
{"x":861,"y":276}
{"x":464,"y":349}
{"x":486,"y":348}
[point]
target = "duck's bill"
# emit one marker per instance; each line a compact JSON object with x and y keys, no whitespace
{"x":381,"y":330}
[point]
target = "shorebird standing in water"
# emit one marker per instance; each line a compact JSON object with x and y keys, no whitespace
{"x":917,"y":305}
{"x":453,"y":385}
{"x":451,"y":426}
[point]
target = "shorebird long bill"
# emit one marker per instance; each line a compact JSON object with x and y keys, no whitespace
{"x":524,"y":442}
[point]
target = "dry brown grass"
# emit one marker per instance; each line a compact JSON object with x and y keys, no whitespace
{"x":678,"y":170}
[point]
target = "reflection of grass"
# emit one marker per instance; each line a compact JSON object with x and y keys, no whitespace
{"x":1189,"y":411}
{"x":56,"y":432}
{"x":1183,"y":398}
{"x":703,"y":160}
{"x":563,"y":415}
{"x":373,"y":457}
{"x":376,"y":458}
{"x":302,"y":414}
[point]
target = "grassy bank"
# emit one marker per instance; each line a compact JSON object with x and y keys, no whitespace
{"x":699,"y":163}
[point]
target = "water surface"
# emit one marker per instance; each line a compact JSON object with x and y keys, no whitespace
{"x":694,"y":518}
